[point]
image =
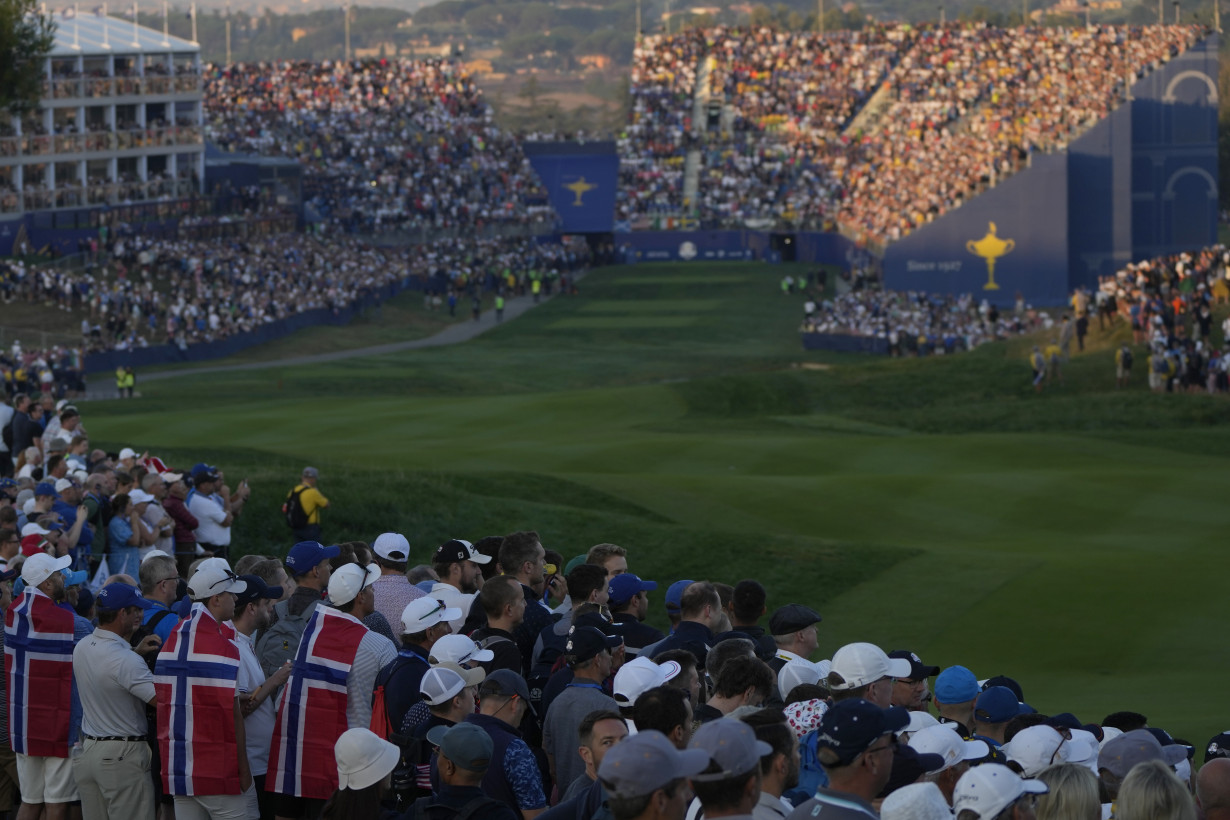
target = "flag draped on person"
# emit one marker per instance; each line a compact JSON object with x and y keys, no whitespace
{"x":38,"y":671}
{"x":195,"y":678}
{"x":302,"y":762}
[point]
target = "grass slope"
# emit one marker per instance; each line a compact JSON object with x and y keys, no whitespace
{"x":937,"y":504}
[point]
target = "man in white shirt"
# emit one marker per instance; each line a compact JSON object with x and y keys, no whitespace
{"x":213,"y":532}
{"x":115,"y":685}
{"x":253,"y":613}
{"x":155,"y":517}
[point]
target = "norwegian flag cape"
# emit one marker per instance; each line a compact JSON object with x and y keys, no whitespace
{"x":302,"y":762}
{"x":195,"y":678}
{"x":38,"y":671}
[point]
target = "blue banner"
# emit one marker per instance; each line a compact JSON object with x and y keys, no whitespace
{"x":580,"y":179}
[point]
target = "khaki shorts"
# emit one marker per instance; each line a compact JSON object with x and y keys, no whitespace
{"x":46,"y":779}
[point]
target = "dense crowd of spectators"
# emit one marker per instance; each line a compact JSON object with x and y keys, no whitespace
{"x":964,"y":106}
{"x":914,"y":322}
{"x":154,"y":291}
{"x":515,"y":681}
{"x":386,"y":145}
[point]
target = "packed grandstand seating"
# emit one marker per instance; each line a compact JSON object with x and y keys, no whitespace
{"x":386,"y":145}
{"x":961,"y":106}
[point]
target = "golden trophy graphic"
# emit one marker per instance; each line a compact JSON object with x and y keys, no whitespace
{"x":990,"y":248}
{"x":579,"y":188}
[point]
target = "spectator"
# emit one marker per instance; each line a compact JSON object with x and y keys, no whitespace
{"x":1072,"y":795}
{"x":956,"y":693}
{"x":522,"y":557}
{"x":212,"y":511}
{"x":611,"y":557}
{"x":513,"y":777}
{"x":910,"y":692}
{"x":354,"y":655}
{"x":112,"y":771}
{"x":466,"y":755}
{"x":665,"y":709}
{"x":629,"y":603}
{"x":504,"y":604}
{"x":450,"y":692}
{"x":44,"y":769}
{"x":992,"y":791}
{"x":731,"y":784}
{"x":364,"y":763}
{"x":700,"y":610}
{"x":202,"y":747}
{"x":746,"y":609}
{"x":794,"y":630}
{"x":159,"y":589}
{"x":393,"y":590}
{"x":308,"y":563}
{"x":155,"y":517}
{"x":862,"y":670}
{"x":645,"y":777}
{"x":957,"y":754}
{"x":1213,"y":789}
{"x":996,"y":705}
{"x":253,"y":609}
{"x":312,"y":501}
{"x":588,"y":653}
{"x":423,"y":622}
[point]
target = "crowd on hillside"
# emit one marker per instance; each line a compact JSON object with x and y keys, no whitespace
{"x":386,"y":145}
{"x":915,"y":322}
{"x":185,"y":292}
{"x":497,"y":679}
{"x":964,"y":106}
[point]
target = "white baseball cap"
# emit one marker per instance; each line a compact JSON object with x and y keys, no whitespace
{"x":127,"y":452}
{"x":213,"y":579}
{"x":917,"y":801}
{"x":858,"y":664}
{"x":988,"y":789}
{"x":1035,"y":748}
{"x":64,"y":484}
{"x":458,"y":649}
{"x":392,"y":546}
{"x":363,"y":759}
{"x":454,"y":598}
{"x":920,"y":721}
{"x":139,"y":497}
{"x":942,"y":741}
{"x":798,"y":671}
{"x":442,"y":682}
{"x":33,"y":529}
{"x":349,"y":580}
{"x":155,"y":553}
{"x":41,"y":566}
{"x":423,"y":613}
{"x":638,"y":676}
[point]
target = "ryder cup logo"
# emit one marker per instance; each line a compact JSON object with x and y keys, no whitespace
{"x":687,"y":251}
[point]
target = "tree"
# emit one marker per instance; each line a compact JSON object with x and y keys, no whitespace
{"x":26,"y":38}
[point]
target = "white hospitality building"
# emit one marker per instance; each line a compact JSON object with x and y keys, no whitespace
{"x":119,"y":123}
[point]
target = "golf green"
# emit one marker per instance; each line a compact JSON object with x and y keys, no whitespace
{"x":1070,"y":539}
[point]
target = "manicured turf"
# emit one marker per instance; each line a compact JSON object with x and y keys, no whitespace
{"x":1071,"y":540}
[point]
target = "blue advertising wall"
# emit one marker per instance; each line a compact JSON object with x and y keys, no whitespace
{"x":1024,"y":220}
{"x":726,"y":246}
{"x":580,"y":178}
{"x":1174,"y":154}
{"x":1100,"y":200}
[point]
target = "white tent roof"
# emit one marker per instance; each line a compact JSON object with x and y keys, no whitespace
{"x":92,"y":33}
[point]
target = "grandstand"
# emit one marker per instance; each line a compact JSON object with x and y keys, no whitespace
{"x":119,"y":124}
{"x":964,"y":157}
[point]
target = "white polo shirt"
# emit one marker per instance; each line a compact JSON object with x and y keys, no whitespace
{"x":114,"y":685}
{"x":258,"y":726}
{"x":209,"y":514}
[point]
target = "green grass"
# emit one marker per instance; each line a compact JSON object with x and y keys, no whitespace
{"x":1070,"y":539}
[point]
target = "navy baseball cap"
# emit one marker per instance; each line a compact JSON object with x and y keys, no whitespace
{"x":256,"y":590}
{"x":307,"y":554}
{"x":46,"y":488}
{"x":116,"y":596}
{"x":1217,"y":747}
{"x":585,"y":642}
{"x":1004,"y":680}
{"x":997,"y":704}
{"x":204,"y":472}
{"x":918,"y":669}
{"x":849,"y":727}
{"x":625,"y":587}
{"x":674,"y":595}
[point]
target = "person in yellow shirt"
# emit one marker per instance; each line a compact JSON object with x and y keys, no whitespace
{"x":312,"y":501}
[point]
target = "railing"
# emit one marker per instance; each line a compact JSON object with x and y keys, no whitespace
{"x":93,"y":141}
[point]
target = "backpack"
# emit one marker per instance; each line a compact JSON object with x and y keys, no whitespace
{"x":1161,"y":364}
{"x":1127,"y":359}
{"x":424,"y":810}
{"x":292,"y":509}
{"x":381,"y":723}
{"x":280,"y":642}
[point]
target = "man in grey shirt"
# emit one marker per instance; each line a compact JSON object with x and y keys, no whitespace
{"x":588,"y":654}
{"x":115,"y":685}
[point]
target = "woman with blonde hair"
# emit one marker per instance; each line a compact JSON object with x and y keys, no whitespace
{"x":1152,"y":791}
{"x":1073,"y":794}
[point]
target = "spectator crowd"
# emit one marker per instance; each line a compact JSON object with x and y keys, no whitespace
{"x":951,"y":110}
{"x":495,"y":679}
